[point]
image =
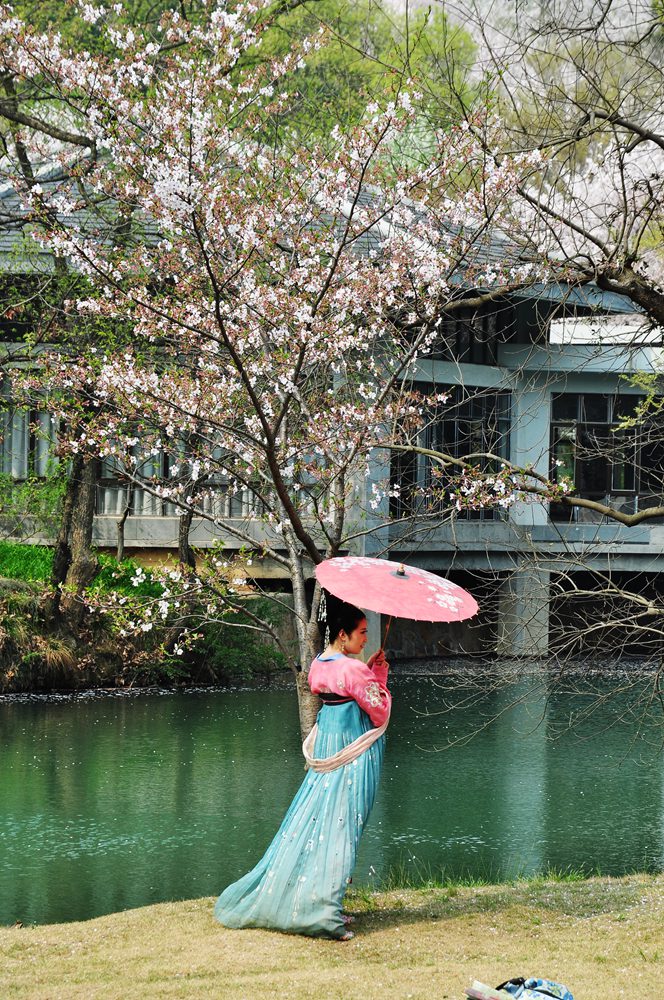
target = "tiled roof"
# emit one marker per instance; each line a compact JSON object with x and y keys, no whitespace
{"x":19,"y":254}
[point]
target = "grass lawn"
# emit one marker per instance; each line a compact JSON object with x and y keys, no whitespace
{"x":603,"y":938}
{"x":31,"y":563}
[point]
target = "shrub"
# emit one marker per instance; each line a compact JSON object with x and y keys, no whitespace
{"x":115,"y":576}
{"x":229,"y":650}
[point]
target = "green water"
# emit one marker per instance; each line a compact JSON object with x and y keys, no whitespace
{"x":117,"y":802}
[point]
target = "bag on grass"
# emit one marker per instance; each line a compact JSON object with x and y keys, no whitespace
{"x":535,"y":989}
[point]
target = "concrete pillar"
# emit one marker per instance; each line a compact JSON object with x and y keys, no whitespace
{"x":374,"y":541}
{"x":523,"y":612}
{"x":375,"y":637}
{"x":529,"y":445}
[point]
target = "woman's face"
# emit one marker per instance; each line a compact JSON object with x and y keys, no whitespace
{"x":357,"y":640}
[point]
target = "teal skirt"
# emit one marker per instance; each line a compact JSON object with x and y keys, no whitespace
{"x":298,"y":885}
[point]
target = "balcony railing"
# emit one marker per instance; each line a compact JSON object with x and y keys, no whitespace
{"x":217,"y":502}
{"x":626,"y":503}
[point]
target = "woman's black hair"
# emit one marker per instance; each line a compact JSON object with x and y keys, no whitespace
{"x":340,"y":615}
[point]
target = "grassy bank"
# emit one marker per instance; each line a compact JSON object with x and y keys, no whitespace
{"x":38,"y":653}
{"x":602,"y":937}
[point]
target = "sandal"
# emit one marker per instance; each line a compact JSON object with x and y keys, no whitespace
{"x":347,"y":918}
{"x":348,"y":936}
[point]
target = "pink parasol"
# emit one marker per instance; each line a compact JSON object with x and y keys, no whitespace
{"x":395,"y":589}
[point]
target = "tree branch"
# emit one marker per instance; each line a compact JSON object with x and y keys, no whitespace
{"x":11,"y":113}
{"x":464,"y":464}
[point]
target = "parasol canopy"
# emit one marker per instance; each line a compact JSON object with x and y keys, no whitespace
{"x":395,"y":589}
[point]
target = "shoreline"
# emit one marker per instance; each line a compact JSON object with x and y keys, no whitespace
{"x":508,"y":671}
{"x":601,"y":937}
{"x":458,"y":668}
{"x":369,"y":899}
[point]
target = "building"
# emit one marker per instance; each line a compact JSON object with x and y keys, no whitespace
{"x":538,"y":378}
{"x":548,"y":395}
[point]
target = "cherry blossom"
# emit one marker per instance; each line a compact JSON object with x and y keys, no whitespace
{"x":271,"y":299}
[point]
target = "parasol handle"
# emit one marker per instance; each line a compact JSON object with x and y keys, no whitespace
{"x":387,"y":632}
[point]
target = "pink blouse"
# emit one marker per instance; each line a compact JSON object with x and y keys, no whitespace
{"x":351,"y":678}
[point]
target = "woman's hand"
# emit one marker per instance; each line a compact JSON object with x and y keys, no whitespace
{"x":378,"y":659}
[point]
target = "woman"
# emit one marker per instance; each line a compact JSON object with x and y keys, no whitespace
{"x":299,"y":884}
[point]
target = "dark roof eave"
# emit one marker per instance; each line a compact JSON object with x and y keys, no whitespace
{"x":580,"y":300}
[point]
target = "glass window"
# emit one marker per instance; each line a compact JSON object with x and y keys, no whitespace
{"x":594,"y":408}
{"x":479,"y":422}
{"x":115,"y":490}
{"x":27,"y":439}
{"x":469,"y":336}
{"x":564,"y":451}
{"x":603,"y":462}
{"x":625,"y":406}
{"x":565,"y":406}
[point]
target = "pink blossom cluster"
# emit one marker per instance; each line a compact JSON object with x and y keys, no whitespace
{"x":475,"y":489}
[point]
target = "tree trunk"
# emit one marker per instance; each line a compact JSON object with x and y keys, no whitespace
{"x":626,"y":281}
{"x":83,"y":563}
{"x":129,"y":499}
{"x":308,"y":704}
{"x":62,"y":549}
{"x":308,"y":632}
{"x":185,"y":551}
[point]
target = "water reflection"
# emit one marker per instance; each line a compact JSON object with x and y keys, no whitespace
{"x":115,"y":803}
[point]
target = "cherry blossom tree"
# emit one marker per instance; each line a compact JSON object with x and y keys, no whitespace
{"x":578,"y":90}
{"x":268,"y":302}
{"x":582,"y":85}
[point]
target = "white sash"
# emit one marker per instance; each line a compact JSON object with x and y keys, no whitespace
{"x":345,"y":756}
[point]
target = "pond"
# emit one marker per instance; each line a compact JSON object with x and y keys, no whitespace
{"x":117,"y":802}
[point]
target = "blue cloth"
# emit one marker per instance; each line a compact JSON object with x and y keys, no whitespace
{"x":299,"y":884}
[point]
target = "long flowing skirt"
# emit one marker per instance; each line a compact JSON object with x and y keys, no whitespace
{"x":299,"y":884}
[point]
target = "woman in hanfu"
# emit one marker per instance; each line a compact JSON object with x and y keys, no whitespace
{"x":299,"y":884}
